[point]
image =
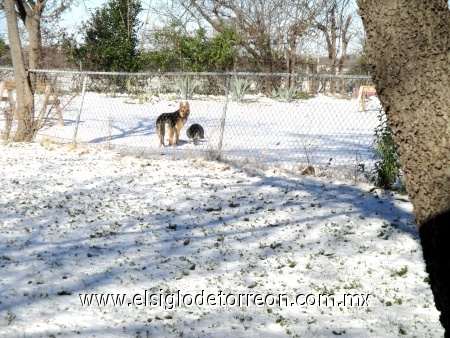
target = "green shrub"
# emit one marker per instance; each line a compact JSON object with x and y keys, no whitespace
{"x":386,"y":171}
{"x":108,"y":42}
{"x":174,"y":49}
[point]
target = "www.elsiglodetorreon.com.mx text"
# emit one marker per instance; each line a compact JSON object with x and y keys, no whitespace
{"x":176,"y":299}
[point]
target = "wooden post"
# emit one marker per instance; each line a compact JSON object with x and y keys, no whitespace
{"x":49,"y":91}
{"x":363,"y":90}
{"x":12,"y":105}
{"x":50,"y":98}
{"x":8,"y":86}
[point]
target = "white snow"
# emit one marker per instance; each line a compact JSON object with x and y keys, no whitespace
{"x":327,"y":132}
{"x":90,"y":221}
{"x":86,"y":222}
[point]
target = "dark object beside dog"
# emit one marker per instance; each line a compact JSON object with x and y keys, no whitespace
{"x":195,"y":132}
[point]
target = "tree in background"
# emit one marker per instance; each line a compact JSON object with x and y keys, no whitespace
{"x":408,"y":50}
{"x":335,"y":23}
{"x":54,"y":31}
{"x":3,"y":47}
{"x":24,"y":111}
{"x":5,"y":58}
{"x":361,"y":68}
{"x":109,"y":38}
{"x":31,"y":14}
{"x":175,"y":49}
{"x":270,"y":31}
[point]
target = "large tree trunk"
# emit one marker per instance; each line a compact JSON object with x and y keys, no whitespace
{"x":24,"y":111}
{"x":408,"y":47}
{"x":30,"y":13}
{"x":34,"y":36}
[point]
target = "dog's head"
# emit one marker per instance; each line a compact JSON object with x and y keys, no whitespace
{"x":184,"y":109}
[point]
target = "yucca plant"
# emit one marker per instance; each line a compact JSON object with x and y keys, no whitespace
{"x":287,"y":94}
{"x":187,"y":87}
{"x":238,"y":88}
{"x":273,"y":94}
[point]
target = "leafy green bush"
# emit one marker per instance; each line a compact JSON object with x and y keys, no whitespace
{"x":109,"y":43}
{"x":174,"y":49}
{"x":387,"y":166}
{"x":3,"y":47}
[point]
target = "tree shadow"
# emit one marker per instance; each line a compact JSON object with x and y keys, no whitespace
{"x":133,"y":230}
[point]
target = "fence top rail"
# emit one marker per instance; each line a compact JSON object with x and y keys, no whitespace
{"x":225,"y":74}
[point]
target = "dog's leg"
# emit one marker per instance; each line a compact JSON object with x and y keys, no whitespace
{"x":172,"y":131}
{"x":177,"y":136}
{"x":178,"y":128}
{"x":160,"y":131}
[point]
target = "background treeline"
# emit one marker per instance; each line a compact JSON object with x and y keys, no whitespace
{"x":215,"y":36}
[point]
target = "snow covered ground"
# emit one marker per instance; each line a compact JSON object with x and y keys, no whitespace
{"x":85,"y":221}
{"x":330,"y":133}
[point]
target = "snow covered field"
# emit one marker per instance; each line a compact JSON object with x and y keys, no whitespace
{"x":78,"y":222}
{"x":327,"y":132}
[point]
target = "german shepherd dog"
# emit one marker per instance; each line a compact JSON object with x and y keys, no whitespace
{"x":172,"y":122}
{"x":195,"y":132}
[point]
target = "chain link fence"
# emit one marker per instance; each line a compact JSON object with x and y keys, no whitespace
{"x":289,"y":121}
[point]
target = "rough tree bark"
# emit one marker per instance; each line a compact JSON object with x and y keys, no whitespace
{"x":24,"y":111}
{"x":30,"y":14}
{"x":408,"y":46}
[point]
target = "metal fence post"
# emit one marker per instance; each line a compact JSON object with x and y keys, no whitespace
{"x":224,"y":115}
{"x":83,"y":91}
